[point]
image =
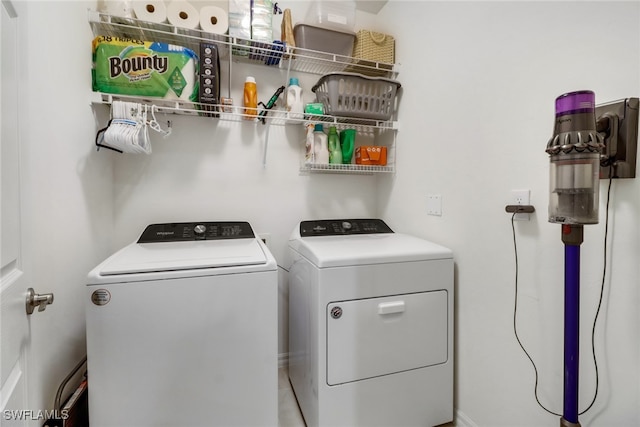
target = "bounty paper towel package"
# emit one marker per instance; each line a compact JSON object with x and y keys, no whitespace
{"x":141,"y":68}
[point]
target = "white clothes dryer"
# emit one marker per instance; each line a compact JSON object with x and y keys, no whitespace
{"x":182,"y":330}
{"x":370,"y":325}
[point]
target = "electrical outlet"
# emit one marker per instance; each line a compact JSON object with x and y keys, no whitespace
{"x":521,"y":197}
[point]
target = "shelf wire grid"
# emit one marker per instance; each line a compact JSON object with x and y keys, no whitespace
{"x":265,"y":53}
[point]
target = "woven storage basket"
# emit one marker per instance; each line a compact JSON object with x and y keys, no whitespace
{"x":373,"y":46}
{"x":358,"y":96}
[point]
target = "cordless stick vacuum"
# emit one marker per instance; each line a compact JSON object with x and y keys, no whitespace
{"x":574,"y":152}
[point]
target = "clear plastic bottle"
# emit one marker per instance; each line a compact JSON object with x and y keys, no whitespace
{"x":320,"y":147}
{"x":335,"y":153}
{"x":250,"y":98}
{"x":295,"y":102}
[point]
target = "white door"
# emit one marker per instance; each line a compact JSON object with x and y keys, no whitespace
{"x":14,"y":324}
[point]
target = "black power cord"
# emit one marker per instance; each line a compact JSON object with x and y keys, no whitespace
{"x":515,"y":316}
{"x":595,"y":320}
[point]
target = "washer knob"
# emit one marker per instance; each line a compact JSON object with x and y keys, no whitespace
{"x":199,"y":229}
{"x":346,"y":225}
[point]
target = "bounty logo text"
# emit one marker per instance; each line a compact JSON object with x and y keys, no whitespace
{"x":137,"y":64}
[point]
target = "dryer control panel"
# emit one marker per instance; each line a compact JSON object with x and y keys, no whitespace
{"x":189,"y":231}
{"x":341,"y":227}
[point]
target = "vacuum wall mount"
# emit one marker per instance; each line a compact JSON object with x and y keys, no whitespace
{"x":618,"y":122}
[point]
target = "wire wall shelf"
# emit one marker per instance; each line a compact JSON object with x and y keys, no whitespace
{"x":237,"y":113}
{"x":351,"y":168}
{"x":269,"y":54}
{"x":178,"y":107}
{"x":363,"y":126}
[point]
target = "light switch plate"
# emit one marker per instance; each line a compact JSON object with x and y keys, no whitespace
{"x":434,"y":204}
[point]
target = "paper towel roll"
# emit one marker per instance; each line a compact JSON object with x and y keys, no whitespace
{"x":182,"y":14}
{"x":214,"y":19}
{"x":150,"y":10}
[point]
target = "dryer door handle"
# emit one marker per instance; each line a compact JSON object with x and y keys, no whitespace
{"x":391,"y":307}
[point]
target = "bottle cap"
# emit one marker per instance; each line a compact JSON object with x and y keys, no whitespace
{"x":333,"y":129}
{"x":293,"y":81}
{"x":319,"y":127}
{"x":250,"y":79}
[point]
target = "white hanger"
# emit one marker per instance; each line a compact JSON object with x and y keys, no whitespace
{"x":128,"y":130}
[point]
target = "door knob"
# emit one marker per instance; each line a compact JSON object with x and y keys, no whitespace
{"x":36,"y":300}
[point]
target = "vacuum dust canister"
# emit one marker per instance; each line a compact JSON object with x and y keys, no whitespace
{"x":574,"y":153}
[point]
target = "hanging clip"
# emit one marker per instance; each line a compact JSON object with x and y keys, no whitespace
{"x":153,"y":124}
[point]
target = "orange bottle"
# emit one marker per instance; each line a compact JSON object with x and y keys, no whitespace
{"x":250,"y":98}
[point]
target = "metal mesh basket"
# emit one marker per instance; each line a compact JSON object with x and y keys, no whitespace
{"x":354,"y":95}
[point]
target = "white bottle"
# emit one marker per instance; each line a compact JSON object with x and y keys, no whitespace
{"x":295,"y":103}
{"x":320,"y":147}
{"x":310,"y":155}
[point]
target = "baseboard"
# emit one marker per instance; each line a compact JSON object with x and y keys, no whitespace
{"x":283,"y":360}
{"x":463,"y":421}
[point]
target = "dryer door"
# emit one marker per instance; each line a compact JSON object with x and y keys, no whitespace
{"x":380,"y":336}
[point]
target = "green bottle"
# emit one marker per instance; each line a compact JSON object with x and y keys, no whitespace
{"x":335,"y":153}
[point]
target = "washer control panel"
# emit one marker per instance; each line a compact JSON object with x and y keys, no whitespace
{"x":341,"y":227}
{"x":189,"y":231}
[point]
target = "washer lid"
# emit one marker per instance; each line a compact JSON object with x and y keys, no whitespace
{"x":184,"y":255}
{"x":362,"y":249}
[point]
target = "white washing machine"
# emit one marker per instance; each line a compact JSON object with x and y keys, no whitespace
{"x":182,"y":330}
{"x":370,"y":325}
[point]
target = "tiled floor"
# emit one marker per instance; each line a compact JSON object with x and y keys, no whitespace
{"x":288,"y":410}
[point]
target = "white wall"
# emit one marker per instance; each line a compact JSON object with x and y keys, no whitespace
{"x":67,"y":201}
{"x":479,"y":83}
